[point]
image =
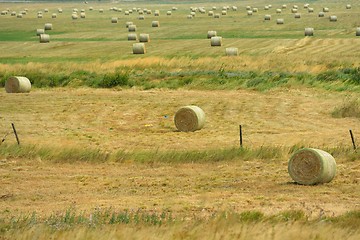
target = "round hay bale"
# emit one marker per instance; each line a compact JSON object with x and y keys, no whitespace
{"x":333,"y":18}
{"x":82,"y":10}
{"x":91,"y":8}
{"x":326,"y":9}
{"x":75,"y":10}
{"x":141,"y":12}
{"x":310,"y":10}
{"x":249,"y":13}
{"x":232,"y":51}
{"x":211,"y":13}
{"x":297,"y":15}
{"x":223,"y":12}
{"x":321,"y":14}
{"x":13,"y":14}
{"x":214,"y":8}
{"x":144,"y":37}
{"x":39,"y":16}
{"x":309,"y":166}
{"x":139,"y":48}
{"x":348,"y":6}
{"x":248,"y":8}
{"x":358,"y":31}
{"x":193,"y":14}
{"x":19,"y":15}
{"x":155,"y":24}
{"x":101,"y":10}
{"x":126,"y":13}
{"x":74,"y":16}
{"x":132,"y":37}
{"x":189,"y":17}
{"x":216,"y":41}
{"x":40,"y":31}
{"x":280,"y":21}
{"x":48,"y":26}
{"x":44,"y":38}
{"x":156,"y":13}
{"x":255,"y":10}
{"x":306,"y":5}
{"x":17,"y":84}
{"x":217,"y":15}
{"x":114,"y":20}
{"x":278,"y":10}
{"x":82,"y":15}
{"x":284,"y":6}
{"x":234,"y":8}
{"x":60,"y":10}
{"x":141,"y":17}
{"x":294,"y":10}
{"x":295,"y":7}
{"x":3,"y":13}
{"x":309,"y":31}
{"x":174,"y":8}
{"x":266,"y":8}
{"x":132,"y":28}
{"x":267,"y":17}
{"x":54,"y":15}
{"x":211,"y":34}
{"x":189,"y":119}
{"x":46,"y":10}
{"x":168,"y":13}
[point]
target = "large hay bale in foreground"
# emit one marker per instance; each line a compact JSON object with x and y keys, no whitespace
{"x":311,"y":166}
{"x":139,"y":48}
{"x":17,"y":84}
{"x":358,"y":31}
{"x":189,"y":119}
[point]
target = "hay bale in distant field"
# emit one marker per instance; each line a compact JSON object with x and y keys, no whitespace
{"x":211,"y":13}
{"x":248,"y":8}
{"x":114,"y":20}
{"x":19,"y":15}
{"x":189,"y":17}
{"x":326,"y":9}
{"x":266,"y":8}
{"x":155,"y":24}
{"x":82,"y":10}
{"x":48,"y":26}
{"x":168,"y":13}
{"x":101,"y":10}
{"x":214,"y":8}
{"x":280,"y":21}
{"x":224,"y":12}
{"x":46,"y":10}
{"x":13,"y":13}
{"x":295,"y":7}
{"x":284,"y":6}
{"x":217,"y":15}
{"x":40,"y":31}
{"x":126,"y":13}
{"x":297,"y":15}
{"x":144,"y":37}
{"x":310,"y":10}
{"x":216,"y":41}
{"x":74,"y":16}
{"x":54,"y":15}
{"x":249,"y":13}
{"x":139,"y":48}
{"x":234,"y":8}
{"x":3,"y":13}
{"x":127,"y":24}
{"x":321,"y":14}
{"x":294,"y":10}
{"x":232,"y":51}
{"x":211,"y":34}
{"x":309,"y":166}
{"x":189,"y":119}
{"x":358,"y":31}
{"x":132,"y":37}
{"x":333,"y":18}
{"x":44,"y":38}
{"x":156,"y":13}
{"x":91,"y":8}
{"x":82,"y":15}
{"x":267,"y":17}
{"x":278,"y":10}
{"x":174,"y":8}
{"x":193,"y":14}
{"x":39,"y":16}
{"x":255,"y":10}
{"x":348,"y":6}
{"x":60,"y":10}
{"x":309,"y":31}
{"x":132,"y":28}
{"x":141,"y":17}
{"x":17,"y":84}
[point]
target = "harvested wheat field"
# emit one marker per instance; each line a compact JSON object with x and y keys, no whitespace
{"x":99,"y":153}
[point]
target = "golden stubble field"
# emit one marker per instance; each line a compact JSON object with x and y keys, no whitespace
{"x":133,"y":120}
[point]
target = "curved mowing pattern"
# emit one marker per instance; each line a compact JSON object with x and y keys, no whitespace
{"x":311,"y":166}
{"x":189,"y":119}
{"x":17,"y":85}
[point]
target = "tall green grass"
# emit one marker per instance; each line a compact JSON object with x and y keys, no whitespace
{"x":190,"y":156}
{"x":337,"y":80}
